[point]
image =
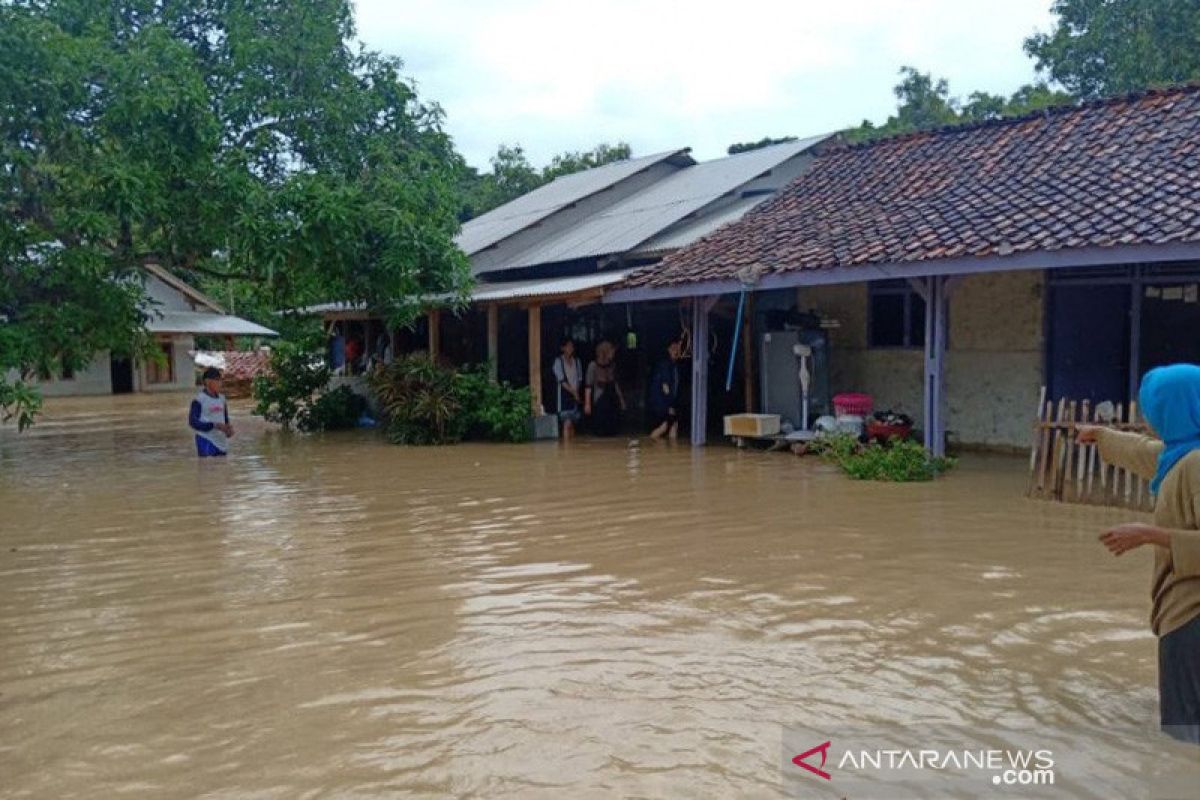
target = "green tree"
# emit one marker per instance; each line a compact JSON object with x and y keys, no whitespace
{"x":1105,"y":47}
{"x":570,"y":162}
{"x":766,"y":141}
{"x":981,"y":106}
{"x":512,"y":176}
{"x":925,"y":103}
{"x":246,"y":140}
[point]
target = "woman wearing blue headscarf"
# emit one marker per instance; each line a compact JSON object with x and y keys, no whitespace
{"x":1170,"y":402}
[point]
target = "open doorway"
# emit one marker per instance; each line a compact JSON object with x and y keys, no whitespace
{"x":120,"y":369}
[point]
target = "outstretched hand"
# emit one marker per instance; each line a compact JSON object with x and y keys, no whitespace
{"x":1087,"y":434}
{"x":1123,"y":538}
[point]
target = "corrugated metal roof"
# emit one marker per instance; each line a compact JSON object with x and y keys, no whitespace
{"x":630,"y":222}
{"x":692,"y":230}
{"x":546,"y":287}
{"x":499,"y":292}
{"x":205,"y":323}
{"x":515,"y":215}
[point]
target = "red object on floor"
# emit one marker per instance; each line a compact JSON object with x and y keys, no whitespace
{"x":858,"y":405}
{"x":882,"y":432}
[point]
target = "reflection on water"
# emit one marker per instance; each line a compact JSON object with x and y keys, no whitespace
{"x":337,"y":615}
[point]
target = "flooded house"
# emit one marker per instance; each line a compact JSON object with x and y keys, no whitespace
{"x":970,"y":266}
{"x":949,"y":274}
{"x":177,"y":314}
{"x":543,"y":262}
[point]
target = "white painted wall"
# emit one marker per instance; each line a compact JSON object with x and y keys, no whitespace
{"x":167,"y":298}
{"x":94,"y":379}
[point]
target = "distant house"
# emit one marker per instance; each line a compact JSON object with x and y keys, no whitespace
{"x":178,"y":313}
{"x":971,"y":266}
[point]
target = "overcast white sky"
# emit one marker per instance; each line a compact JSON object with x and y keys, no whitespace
{"x":557,"y":75}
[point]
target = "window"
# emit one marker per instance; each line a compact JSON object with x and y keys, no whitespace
{"x":161,"y":368}
{"x":896,"y":315}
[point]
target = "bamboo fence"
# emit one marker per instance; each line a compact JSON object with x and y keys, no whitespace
{"x":1063,"y":469}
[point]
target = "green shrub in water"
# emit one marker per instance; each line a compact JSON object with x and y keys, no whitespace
{"x":293,"y":392}
{"x":898,"y":460}
{"x":296,"y":378}
{"x":426,"y":403}
{"x":493,"y":411}
{"x":420,"y":399}
{"x":339,"y":409}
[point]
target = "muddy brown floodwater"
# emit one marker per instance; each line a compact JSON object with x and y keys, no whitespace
{"x":336,"y":616}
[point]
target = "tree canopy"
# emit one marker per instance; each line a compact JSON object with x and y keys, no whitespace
{"x":1096,"y":48}
{"x":1106,"y":47}
{"x":245,"y":140}
{"x":766,"y":141}
{"x":925,"y":102}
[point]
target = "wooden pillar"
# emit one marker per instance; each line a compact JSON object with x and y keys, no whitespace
{"x":700,"y":308}
{"x":748,"y":354}
{"x":535,"y":357}
{"x":435,"y":333}
{"x":493,"y":340}
{"x":936,"y":295}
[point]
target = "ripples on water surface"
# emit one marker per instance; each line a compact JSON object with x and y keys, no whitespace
{"x":335,"y":615}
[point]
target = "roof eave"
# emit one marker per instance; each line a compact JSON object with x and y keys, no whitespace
{"x":1063,"y":258}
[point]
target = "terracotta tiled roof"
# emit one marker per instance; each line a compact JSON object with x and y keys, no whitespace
{"x":1113,"y":172}
{"x":242,"y":365}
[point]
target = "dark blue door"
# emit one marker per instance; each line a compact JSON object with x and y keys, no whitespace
{"x":1088,"y":346}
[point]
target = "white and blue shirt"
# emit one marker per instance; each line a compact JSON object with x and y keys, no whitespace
{"x":205,"y":413}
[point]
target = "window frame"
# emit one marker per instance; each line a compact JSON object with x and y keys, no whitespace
{"x":154,"y":369}
{"x":896,"y":287}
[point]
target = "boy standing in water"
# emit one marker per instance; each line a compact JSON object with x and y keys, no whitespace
{"x":209,"y":417}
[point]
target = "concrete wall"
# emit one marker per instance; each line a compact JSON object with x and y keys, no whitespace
{"x":93,"y":379}
{"x":994,"y":364}
{"x":184,"y":370}
{"x":96,"y":378}
{"x":168,"y":298}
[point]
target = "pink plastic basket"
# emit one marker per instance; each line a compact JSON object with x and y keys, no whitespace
{"x":850,"y":404}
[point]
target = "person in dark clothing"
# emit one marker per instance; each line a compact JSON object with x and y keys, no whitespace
{"x":603,"y":401}
{"x":663,"y":403}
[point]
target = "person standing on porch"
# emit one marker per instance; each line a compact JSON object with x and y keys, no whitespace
{"x":1170,"y":402}
{"x":209,"y":417}
{"x":664,"y":394}
{"x":602,"y":398}
{"x":568,"y":372}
